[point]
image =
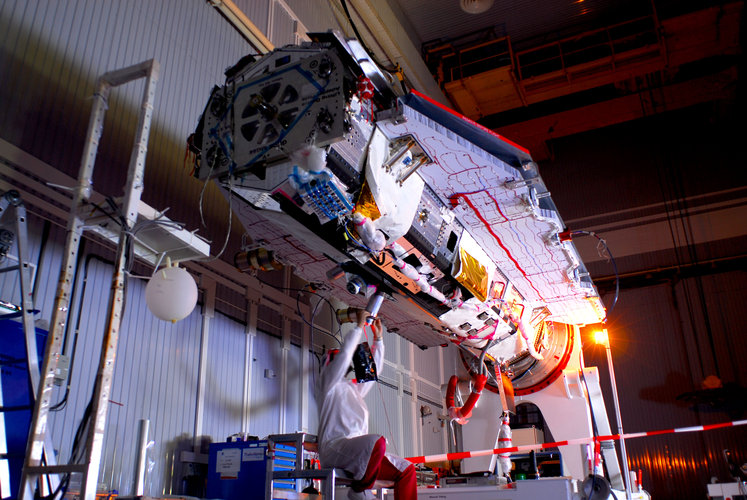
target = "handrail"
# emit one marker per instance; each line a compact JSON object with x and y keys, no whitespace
{"x":570,"y":51}
{"x":607,"y":43}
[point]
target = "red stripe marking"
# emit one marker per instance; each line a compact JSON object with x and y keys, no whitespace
{"x":717,"y":426}
{"x":656,"y":433}
{"x":500,"y":243}
{"x":471,"y":122}
{"x":611,"y":437}
{"x":597,"y":440}
{"x":553,"y":445}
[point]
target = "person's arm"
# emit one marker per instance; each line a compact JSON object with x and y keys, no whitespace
{"x":377,"y":348}
{"x":339,"y":366}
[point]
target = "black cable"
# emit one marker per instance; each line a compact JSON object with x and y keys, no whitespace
{"x":75,"y":455}
{"x":686,"y":224}
{"x":311,"y":325}
{"x":63,"y":402}
{"x":304,"y":290}
{"x":42,"y":252}
{"x":298,"y":307}
{"x":667,"y":197}
{"x":4,"y":409}
{"x":614,"y":266}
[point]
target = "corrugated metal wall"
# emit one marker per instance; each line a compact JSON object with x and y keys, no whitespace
{"x":224,"y":387}
{"x":668,"y":332}
{"x":50,"y":56}
{"x":52,"y":53}
{"x":658,"y":353}
{"x":157,"y":370}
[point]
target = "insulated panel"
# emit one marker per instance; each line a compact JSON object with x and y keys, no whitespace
{"x":154,"y":379}
{"x":428,"y":363}
{"x":385,"y":417}
{"x":313,"y":409}
{"x":295,"y":386}
{"x":430,"y":391}
{"x":264,"y":409}
{"x":224,"y":385}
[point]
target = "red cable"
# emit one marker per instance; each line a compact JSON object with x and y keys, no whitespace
{"x":500,"y":243}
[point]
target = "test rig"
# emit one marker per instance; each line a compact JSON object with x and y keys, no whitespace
{"x":378,"y":194}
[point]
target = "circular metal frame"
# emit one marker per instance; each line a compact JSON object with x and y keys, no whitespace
{"x":529,"y":375}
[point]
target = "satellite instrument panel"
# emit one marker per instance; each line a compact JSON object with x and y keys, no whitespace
{"x":371,"y":192}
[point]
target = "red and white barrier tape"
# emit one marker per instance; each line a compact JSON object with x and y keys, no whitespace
{"x":529,"y":447}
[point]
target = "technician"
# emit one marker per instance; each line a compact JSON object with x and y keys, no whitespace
{"x":344,"y":441}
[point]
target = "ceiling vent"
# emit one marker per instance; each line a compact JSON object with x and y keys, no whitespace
{"x":475,"y":6}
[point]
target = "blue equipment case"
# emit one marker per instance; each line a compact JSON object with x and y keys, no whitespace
{"x":238,"y":470}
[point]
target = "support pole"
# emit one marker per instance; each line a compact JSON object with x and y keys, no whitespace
{"x":626,"y":469}
{"x":142,"y":448}
{"x":208,"y":312}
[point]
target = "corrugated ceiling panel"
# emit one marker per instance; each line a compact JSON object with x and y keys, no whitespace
{"x":258,"y":12}
{"x":316,"y":16}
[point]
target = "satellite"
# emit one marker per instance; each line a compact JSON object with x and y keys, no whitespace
{"x":382,"y":196}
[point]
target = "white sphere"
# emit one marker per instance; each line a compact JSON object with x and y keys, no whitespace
{"x":171,"y":294}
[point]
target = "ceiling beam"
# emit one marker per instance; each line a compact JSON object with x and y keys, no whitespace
{"x":244,"y":25}
{"x":392,"y":37}
{"x":537,"y":133}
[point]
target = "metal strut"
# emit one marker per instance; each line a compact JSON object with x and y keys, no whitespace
{"x":33,"y":467}
{"x":13,"y":214}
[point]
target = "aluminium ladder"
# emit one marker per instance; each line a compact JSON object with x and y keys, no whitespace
{"x":13,"y":215}
{"x":33,"y":467}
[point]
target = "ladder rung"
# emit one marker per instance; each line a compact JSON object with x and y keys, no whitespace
{"x":56,"y":469}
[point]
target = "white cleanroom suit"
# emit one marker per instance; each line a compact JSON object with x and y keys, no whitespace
{"x":344,"y":441}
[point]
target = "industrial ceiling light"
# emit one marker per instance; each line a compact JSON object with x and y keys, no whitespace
{"x":171,"y":294}
{"x":475,"y":6}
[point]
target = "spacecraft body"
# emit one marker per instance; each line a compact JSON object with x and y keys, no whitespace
{"x":364,"y":189}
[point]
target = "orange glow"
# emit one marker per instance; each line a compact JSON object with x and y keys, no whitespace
{"x":601,"y":337}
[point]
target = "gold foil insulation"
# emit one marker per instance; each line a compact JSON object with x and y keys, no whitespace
{"x":366,"y":204}
{"x":473,"y":275}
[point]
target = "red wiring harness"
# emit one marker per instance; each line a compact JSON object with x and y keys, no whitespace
{"x":463,"y":413}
